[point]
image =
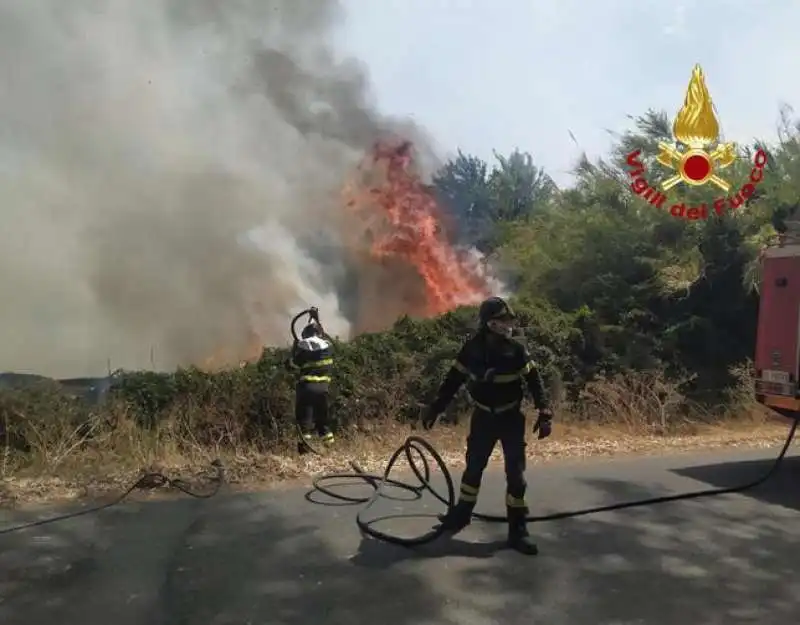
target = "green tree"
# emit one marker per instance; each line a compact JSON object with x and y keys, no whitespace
{"x":481,"y":201}
{"x":519,"y":187}
{"x":462,"y":185}
{"x":645,"y":288}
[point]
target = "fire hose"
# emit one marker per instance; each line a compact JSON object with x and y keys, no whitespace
{"x":148,"y":481}
{"x":414,"y":449}
{"x":313,"y":315}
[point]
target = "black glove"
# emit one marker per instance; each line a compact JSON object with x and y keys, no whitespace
{"x":429,"y":417}
{"x":544,"y":424}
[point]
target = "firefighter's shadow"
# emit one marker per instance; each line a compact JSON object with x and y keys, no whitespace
{"x":376,"y":554}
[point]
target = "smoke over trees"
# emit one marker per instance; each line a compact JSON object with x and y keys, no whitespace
{"x":141,"y":143}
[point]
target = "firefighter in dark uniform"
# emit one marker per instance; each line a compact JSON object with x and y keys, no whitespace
{"x":312,"y":357}
{"x":495,"y":367}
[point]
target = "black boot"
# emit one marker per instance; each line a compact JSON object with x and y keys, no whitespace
{"x":518,"y":537}
{"x":327,"y":438}
{"x":304,"y":444}
{"x":457,"y":518}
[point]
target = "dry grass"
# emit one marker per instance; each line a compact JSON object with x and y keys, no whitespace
{"x":635,"y":415}
{"x":569,"y":441}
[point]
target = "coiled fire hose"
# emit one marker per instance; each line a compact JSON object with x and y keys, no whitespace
{"x":415,"y":448}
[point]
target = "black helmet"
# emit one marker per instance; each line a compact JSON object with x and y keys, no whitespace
{"x":312,"y":329}
{"x":494,"y":308}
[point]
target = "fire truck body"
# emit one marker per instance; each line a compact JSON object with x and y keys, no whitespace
{"x":777,"y":358}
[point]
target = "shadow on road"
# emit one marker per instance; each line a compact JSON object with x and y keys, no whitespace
{"x":724,"y":559}
{"x":782,"y":489}
{"x":266,"y":562}
{"x":376,"y":554}
{"x":704,"y":561}
{"x":76,"y":570}
{"x":707,"y":562}
{"x":235,"y":559}
{"x":273,"y":558}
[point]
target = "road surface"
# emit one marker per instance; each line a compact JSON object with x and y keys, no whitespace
{"x":273,"y":558}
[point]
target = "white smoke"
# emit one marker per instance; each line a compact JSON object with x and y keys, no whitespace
{"x":140,"y":141}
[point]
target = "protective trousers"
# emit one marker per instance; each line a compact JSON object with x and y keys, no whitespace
{"x":311,"y":408}
{"x":485,"y":430}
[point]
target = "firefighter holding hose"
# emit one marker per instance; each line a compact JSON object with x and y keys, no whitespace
{"x":495,"y":367}
{"x":312,"y":358}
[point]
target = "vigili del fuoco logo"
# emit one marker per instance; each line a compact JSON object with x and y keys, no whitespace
{"x":697,"y":158}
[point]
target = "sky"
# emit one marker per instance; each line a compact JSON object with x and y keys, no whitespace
{"x":478,"y":75}
{"x":500,"y":75}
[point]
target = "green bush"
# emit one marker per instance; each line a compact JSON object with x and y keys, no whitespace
{"x":376,"y":375}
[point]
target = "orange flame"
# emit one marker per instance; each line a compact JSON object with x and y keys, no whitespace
{"x":406,"y":226}
{"x":412,"y":229}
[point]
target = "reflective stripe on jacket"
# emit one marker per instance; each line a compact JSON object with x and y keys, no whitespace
{"x":496,"y":372}
{"x":313,"y":358}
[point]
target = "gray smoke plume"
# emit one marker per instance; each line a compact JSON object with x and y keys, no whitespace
{"x":142,"y":143}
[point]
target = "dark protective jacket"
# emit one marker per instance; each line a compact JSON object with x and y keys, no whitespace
{"x":313,"y":359}
{"x":495,"y":370}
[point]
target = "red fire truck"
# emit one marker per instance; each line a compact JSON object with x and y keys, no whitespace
{"x":777,"y":361}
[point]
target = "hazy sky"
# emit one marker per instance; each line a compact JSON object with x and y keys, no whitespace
{"x":500,"y":74}
{"x":131,"y":125}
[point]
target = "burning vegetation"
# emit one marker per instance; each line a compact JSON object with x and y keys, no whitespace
{"x":204,"y":206}
{"x":406,"y":236}
{"x":398,"y":239}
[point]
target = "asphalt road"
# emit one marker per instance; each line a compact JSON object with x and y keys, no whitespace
{"x":274,"y":558}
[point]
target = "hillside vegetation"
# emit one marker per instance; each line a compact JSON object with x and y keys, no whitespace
{"x":636,"y":317}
